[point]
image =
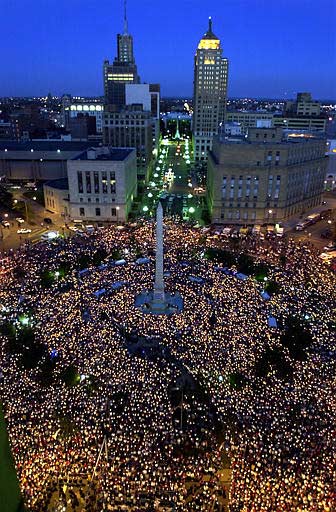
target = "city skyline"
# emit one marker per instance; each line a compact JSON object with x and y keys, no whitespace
{"x":262,"y":64}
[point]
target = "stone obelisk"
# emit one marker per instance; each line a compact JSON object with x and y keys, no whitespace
{"x":159,"y":293}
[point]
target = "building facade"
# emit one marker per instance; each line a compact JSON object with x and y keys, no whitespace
{"x":131,"y":128}
{"x":37,"y":160}
{"x":304,"y":105}
{"x":56,"y":196}
{"x":91,"y":110}
{"x":255,"y":119}
{"x":210,"y":91}
{"x":102,"y":184}
{"x":266,"y":177}
{"x":122,"y":71}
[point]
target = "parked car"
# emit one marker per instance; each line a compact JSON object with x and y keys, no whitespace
{"x":330,"y":247}
{"x":73,"y":228}
{"x":23,"y":231}
{"x":302,"y":225}
{"x":5,"y":224}
{"x":19,"y":220}
{"x":326,"y":233}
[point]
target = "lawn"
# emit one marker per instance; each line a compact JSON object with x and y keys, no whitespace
{"x":10,"y":499}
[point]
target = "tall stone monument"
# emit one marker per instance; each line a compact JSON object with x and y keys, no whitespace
{"x":158,"y":301}
{"x":159,"y":294}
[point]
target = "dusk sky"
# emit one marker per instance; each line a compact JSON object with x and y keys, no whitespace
{"x":275,"y":47}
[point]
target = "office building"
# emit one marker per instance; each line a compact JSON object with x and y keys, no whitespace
{"x":210,"y":91}
{"x":304,"y":105}
{"x":102,"y":184}
{"x":91,"y":111}
{"x":257,"y":119}
{"x":131,"y":127}
{"x":122,"y":71}
{"x":268,"y":176}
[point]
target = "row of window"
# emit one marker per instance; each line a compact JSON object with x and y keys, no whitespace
{"x":97,"y":212}
{"x":100,"y":183}
{"x":236,"y":215}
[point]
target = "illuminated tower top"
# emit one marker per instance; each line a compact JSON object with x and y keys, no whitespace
{"x":209,"y":41}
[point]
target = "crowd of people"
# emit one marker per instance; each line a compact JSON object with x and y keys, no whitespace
{"x":111,"y":440}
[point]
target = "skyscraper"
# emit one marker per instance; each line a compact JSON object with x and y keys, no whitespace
{"x":122,"y":71}
{"x":210,"y":89}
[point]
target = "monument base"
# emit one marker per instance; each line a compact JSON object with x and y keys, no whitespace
{"x":167,"y":304}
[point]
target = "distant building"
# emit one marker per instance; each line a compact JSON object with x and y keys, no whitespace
{"x":91,"y":112}
{"x":233,"y":129}
{"x":210,"y":91}
{"x":248,"y":119}
{"x":122,"y":71}
{"x":330,"y":180}
{"x":37,"y":160}
{"x":303,"y":106}
{"x":131,"y":128}
{"x":310,"y":123}
{"x":102,"y":184}
{"x":267,"y":177}
{"x":6,"y":130}
{"x":256,"y":119}
{"x":131,"y":116}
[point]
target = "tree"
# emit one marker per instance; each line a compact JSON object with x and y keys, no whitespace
{"x":70,"y":376}
{"x":221,"y":256}
{"x":245,"y":264}
{"x":261,"y":271}
{"x":99,"y":256}
{"x":272,"y":287}
{"x":273,"y":359}
{"x":296,"y":337}
{"x":47,"y":279}
{"x":237,"y":380}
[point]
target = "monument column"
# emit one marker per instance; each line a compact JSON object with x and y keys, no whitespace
{"x":159,"y":295}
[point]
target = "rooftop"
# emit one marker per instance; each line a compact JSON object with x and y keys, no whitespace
{"x":115,"y":154}
{"x":60,"y":184}
{"x":47,"y":145}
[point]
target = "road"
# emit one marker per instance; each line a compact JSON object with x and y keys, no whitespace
{"x":10,"y":239}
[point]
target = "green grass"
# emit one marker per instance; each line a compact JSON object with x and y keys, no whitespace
{"x":10,"y":499}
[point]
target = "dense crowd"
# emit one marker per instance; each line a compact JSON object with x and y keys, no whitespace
{"x":112,"y":440}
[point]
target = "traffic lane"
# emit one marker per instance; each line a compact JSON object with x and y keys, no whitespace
{"x":313,"y":233}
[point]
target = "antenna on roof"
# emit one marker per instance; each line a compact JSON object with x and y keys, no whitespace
{"x":210,"y":24}
{"x":125,"y":18}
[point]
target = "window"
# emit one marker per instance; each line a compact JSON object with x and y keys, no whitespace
{"x":113,"y":212}
{"x":82,"y":212}
{"x":96,"y":182}
{"x":88,"y":182}
{"x":104,"y":182}
{"x":80,"y":182}
{"x":97,"y":212}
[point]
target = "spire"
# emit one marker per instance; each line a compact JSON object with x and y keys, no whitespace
{"x":210,"y":24}
{"x":125,"y":18}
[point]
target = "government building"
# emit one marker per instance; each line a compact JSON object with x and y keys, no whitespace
{"x":101,"y":185}
{"x":264,"y":177}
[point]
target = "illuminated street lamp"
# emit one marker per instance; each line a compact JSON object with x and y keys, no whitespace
{"x":145,"y":208}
